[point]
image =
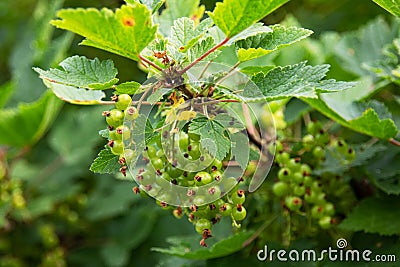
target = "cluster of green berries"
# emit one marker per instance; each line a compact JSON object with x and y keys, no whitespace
{"x":299,"y":189}
{"x":228,"y":198}
{"x":118,"y":132}
{"x":11,"y":193}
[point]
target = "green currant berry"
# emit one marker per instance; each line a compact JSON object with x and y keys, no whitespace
{"x":214,"y":191}
{"x":239,"y":213}
{"x":131,"y":113}
{"x":280,"y":189}
{"x":325,"y":222}
{"x":284,"y":174}
{"x":123,"y":101}
{"x":157,"y":163}
{"x":202,"y":224}
{"x":298,"y":177}
{"x":293,"y":203}
{"x":238,"y":197}
{"x":307,"y":181}
{"x":174,"y":172}
{"x":282,"y":158}
{"x":114,"y":136}
{"x":322,"y":138}
{"x":225,"y":209}
{"x":151,"y":152}
{"x":216,"y":175}
{"x":117,"y":147}
{"x":317,"y":212}
{"x":183,"y":140}
{"x":318,"y":153}
{"x":202,"y":178}
{"x":218,"y":203}
{"x":308,"y":141}
{"x":115,"y":117}
{"x":341,"y":146}
{"x":314,"y":127}
{"x":129,"y":155}
{"x":351,"y":154}
{"x":294,"y":165}
{"x":216,"y":165}
{"x":329,"y":209}
{"x":123,"y":132}
{"x":299,"y":190}
{"x":305,"y":169}
{"x":194,"y":150}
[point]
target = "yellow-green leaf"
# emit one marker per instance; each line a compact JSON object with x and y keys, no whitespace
{"x":234,"y":16}
{"x":126,"y":32}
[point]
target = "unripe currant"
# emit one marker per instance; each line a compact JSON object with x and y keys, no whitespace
{"x":318,"y":153}
{"x":128,"y":155}
{"x":123,"y":131}
{"x":238,"y":197}
{"x":225,"y":209}
{"x":284,"y":174}
{"x":325,"y":222}
{"x":114,"y":117}
{"x":202,"y":224}
{"x":131,"y":113}
{"x":202,"y":178}
{"x":293,"y":203}
{"x":239,"y":213}
{"x":280,"y":188}
{"x":351,"y":154}
{"x":123,"y":101}
{"x":282,"y":158}
{"x":117,"y":147}
{"x":341,"y":146}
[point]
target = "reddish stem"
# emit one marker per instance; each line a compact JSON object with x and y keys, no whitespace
{"x":394,"y":142}
{"x":203,"y":56}
{"x":142,"y":58}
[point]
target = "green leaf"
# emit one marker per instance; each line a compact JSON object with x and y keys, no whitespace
{"x":229,"y":121}
{"x":78,"y":71}
{"x":360,"y":117}
{"x":176,"y":9}
{"x":126,"y":32}
{"x":234,"y":16}
{"x":129,"y":88}
{"x":75,"y":95}
{"x":265,"y":43}
{"x":212,"y":136}
{"x":384,"y":170}
{"x":184,"y":34}
{"x":202,"y":47}
{"x":106,"y":162}
{"x":392,"y":6}
{"x":297,"y":80}
{"x":27,"y":123}
{"x":252,"y":70}
{"x":222,"y":248}
{"x":368,"y":216}
{"x":6,"y":91}
{"x":364,"y":46}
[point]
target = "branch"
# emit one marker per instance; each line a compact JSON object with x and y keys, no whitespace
{"x":203,"y":56}
{"x":142,"y":58}
{"x":253,"y":134}
{"x":394,"y":142}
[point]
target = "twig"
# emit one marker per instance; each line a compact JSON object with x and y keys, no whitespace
{"x":250,"y":127}
{"x":394,"y":142}
{"x":203,"y":56}
{"x":142,"y":58}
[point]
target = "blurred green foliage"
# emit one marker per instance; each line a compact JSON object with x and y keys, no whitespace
{"x":54,"y":212}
